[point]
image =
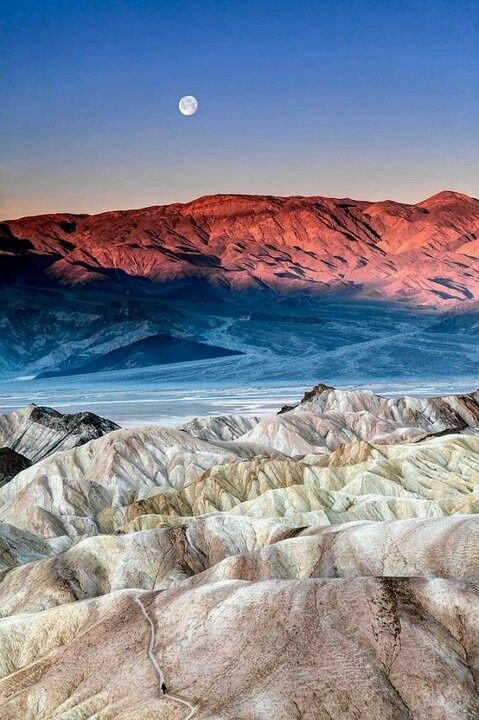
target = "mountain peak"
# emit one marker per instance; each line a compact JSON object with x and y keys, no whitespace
{"x":445,"y":197}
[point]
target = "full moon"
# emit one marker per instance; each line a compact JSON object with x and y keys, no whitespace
{"x":188,"y":105}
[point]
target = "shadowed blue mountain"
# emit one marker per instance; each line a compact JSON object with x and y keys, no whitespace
{"x":153,"y":350}
{"x":211,"y":334}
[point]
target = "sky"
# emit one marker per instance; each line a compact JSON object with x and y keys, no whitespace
{"x":367,"y":99}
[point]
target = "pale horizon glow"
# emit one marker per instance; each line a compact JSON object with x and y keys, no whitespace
{"x":135,"y":201}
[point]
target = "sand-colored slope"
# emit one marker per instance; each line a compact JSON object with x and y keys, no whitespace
{"x":152,"y":559}
{"x":319,"y":649}
{"x":223,"y":547}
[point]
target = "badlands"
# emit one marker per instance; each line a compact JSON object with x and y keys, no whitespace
{"x":317,"y":564}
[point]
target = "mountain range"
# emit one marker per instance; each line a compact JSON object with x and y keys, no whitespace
{"x":425,"y":254}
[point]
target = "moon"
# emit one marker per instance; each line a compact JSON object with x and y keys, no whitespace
{"x":188,"y":105}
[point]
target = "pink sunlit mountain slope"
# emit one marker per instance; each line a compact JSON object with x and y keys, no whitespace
{"x":425,"y":254}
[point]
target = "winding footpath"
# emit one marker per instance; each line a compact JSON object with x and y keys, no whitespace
{"x":154,"y":661}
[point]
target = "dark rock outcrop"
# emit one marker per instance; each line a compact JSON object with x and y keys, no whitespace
{"x":36,"y":432}
{"x":11,"y":463}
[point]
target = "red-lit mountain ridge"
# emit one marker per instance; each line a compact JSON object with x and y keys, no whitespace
{"x":426,"y":254}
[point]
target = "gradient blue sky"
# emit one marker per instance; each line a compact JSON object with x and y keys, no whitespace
{"x":368,"y":99}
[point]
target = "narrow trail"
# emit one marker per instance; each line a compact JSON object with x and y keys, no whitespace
{"x":154,"y":661}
